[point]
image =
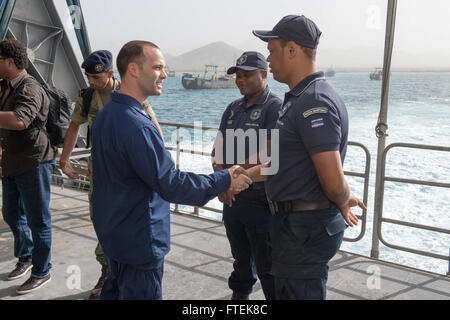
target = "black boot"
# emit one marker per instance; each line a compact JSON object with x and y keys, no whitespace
{"x":95,"y":293}
{"x":239,"y":296}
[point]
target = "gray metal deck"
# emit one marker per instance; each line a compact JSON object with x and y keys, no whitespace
{"x":198,"y":264}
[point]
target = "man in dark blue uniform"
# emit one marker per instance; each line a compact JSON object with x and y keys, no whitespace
{"x":134,"y":178}
{"x":309,"y":194}
{"x":248,"y":220}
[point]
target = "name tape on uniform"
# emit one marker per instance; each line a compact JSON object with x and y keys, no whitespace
{"x":312,"y":111}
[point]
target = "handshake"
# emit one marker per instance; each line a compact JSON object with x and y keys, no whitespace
{"x":239,"y":182}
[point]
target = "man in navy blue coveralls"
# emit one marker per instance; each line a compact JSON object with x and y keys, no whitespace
{"x":309,"y":194}
{"x":134,"y":178}
{"x":248,"y":220}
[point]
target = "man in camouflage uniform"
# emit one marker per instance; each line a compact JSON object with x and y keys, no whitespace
{"x":98,"y":70}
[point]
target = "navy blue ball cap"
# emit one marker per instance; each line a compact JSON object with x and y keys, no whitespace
{"x":248,"y":61}
{"x":98,"y":62}
{"x":299,"y":29}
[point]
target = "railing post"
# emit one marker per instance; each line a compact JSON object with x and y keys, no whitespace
{"x":448,"y":272}
{"x":177,"y":157}
{"x":381,"y":128}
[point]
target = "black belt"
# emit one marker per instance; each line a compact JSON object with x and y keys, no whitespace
{"x":298,"y":205}
{"x":257,"y":186}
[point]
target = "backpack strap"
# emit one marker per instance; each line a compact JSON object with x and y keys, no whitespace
{"x":36,"y":121}
{"x":88,"y":137}
{"x":87,"y":95}
{"x":27,"y":80}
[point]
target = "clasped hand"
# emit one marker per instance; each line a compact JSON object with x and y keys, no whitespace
{"x":239,"y":182}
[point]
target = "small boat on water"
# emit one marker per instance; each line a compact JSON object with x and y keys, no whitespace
{"x":377,"y":74}
{"x":170,"y":73}
{"x":190,"y":81}
{"x":330,"y":72}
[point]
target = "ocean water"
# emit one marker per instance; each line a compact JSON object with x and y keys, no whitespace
{"x":419,"y":112}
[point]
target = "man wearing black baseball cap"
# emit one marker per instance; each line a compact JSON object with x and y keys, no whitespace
{"x":299,"y":29}
{"x":247,"y":220}
{"x":309,"y":196}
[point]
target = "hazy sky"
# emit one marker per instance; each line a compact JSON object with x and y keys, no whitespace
{"x":352,"y":30}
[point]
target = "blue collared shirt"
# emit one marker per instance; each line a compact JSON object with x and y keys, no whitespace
{"x":313,"y":119}
{"x":134,"y":179}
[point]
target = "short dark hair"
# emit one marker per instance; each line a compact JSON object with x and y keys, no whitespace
{"x":11,"y":48}
{"x":132,"y":51}
{"x":311,"y":53}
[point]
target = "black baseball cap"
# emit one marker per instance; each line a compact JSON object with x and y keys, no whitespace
{"x":299,"y":29}
{"x":249,"y":60}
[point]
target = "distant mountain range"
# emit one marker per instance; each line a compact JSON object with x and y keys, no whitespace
{"x":216,"y":53}
{"x":359,"y":59}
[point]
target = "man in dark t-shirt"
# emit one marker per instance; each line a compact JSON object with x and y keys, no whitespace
{"x":28,"y":161}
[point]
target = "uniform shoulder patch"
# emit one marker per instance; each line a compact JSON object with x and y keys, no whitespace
{"x":317,"y":123}
{"x":316,"y":110}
